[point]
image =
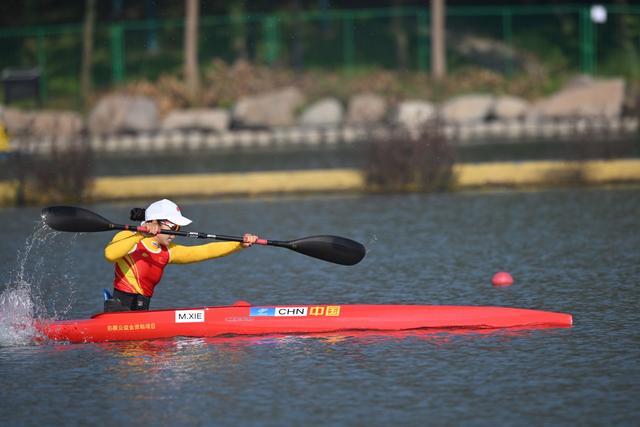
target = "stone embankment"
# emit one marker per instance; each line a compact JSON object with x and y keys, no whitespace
{"x":584,"y":108}
{"x":297,"y":137}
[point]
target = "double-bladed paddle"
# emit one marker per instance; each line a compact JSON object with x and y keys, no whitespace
{"x":336,"y":249}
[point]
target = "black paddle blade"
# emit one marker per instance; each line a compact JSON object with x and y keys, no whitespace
{"x":334,"y":249}
{"x":76,"y":220}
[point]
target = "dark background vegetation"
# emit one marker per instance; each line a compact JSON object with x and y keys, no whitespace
{"x":532,"y":56}
{"x":15,"y":13}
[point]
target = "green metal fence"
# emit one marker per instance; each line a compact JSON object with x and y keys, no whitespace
{"x":562,"y":37}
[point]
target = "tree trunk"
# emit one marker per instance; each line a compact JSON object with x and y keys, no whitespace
{"x":438,"y":52}
{"x":297,"y":54}
{"x":239,"y":29}
{"x":191,"y":50}
{"x":625,"y":21}
{"x":87,"y":51}
{"x":400,"y":37}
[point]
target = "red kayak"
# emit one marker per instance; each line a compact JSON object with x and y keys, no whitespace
{"x":244,"y":319}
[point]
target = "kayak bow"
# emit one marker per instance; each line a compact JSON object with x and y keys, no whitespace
{"x":244,"y":319}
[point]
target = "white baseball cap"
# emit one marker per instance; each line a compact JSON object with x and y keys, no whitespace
{"x":165,"y":209}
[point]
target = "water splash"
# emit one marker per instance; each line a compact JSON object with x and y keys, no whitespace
{"x":16,"y":316}
{"x":25,"y":298}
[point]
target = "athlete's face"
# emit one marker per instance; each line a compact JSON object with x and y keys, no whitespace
{"x":166,"y":239}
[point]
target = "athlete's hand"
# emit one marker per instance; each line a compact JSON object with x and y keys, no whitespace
{"x":152,"y":228}
{"x":248,"y":240}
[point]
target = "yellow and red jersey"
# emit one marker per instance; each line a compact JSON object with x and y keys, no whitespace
{"x":140,"y":262}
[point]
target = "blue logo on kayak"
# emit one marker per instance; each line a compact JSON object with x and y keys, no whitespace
{"x":262,"y":311}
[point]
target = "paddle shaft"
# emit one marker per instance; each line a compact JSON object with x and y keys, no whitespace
{"x":198,"y":235}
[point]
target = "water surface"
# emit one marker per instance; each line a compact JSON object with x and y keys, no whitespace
{"x":573,"y":251}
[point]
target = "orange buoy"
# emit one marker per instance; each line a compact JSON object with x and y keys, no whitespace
{"x":502,"y":278}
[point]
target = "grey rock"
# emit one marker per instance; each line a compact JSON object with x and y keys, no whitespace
{"x":474,"y":108}
{"x":325,"y":112}
{"x":271,"y":109}
{"x":510,"y":108}
{"x":583,"y":97}
{"x":493,"y":54}
{"x":58,"y":124}
{"x":413,"y":114}
{"x":123,"y":113}
{"x":17,"y":122}
{"x":202,"y":119}
{"x":366,"y":108}
{"x":143,"y":114}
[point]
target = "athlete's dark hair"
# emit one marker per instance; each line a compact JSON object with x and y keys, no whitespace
{"x":137,"y":214}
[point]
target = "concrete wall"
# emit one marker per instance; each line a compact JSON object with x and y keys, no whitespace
{"x":466,"y":177}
